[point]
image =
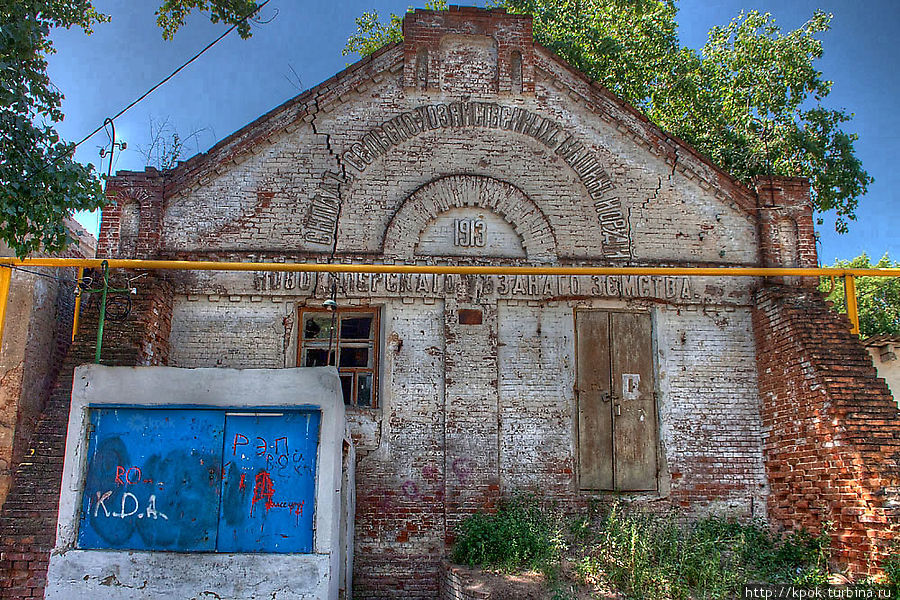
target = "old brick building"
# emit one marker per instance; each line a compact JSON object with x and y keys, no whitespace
{"x":37,"y":334}
{"x":469,"y":144}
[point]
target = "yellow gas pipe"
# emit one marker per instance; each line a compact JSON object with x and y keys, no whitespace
{"x":850,"y":303}
{"x":190,"y":265}
{"x":77,"y":316}
{"x":5,"y":278}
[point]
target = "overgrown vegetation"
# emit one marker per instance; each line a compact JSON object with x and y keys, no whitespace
{"x":41,"y":183}
{"x":519,"y":536}
{"x":649,"y":556}
{"x":891,"y":567}
{"x":642,"y":555}
{"x":878,"y":298}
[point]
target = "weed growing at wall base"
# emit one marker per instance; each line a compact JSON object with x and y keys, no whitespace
{"x":519,"y":536}
{"x":650,"y":556}
{"x":643,"y":555}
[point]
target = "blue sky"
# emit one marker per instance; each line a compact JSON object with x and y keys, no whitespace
{"x":238,"y":80}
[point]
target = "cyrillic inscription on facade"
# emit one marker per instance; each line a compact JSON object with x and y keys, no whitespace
{"x":379,"y":140}
{"x":324,"y":210}
{"x":428,"y":285}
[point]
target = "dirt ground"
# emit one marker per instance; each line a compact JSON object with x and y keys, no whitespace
{"x":533,"y":586}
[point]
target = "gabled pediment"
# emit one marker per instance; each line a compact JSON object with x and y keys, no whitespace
{"x":467,"y":94}
{"x":444,"y":53}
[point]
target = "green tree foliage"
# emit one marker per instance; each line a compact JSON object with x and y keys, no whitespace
{"x":877,"y":298}
{"x":40,"y":182}
{"x":750,"y":99}
{"x":371,"y":34}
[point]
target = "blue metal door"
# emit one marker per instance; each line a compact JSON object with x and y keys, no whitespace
{"x":269,"y":479}
{"x":152,"y":479}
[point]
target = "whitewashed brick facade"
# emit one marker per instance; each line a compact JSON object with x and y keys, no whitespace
{"x":468,"y":144}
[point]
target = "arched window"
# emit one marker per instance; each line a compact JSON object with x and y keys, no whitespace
{"x":422,"y":69}
{"x":129,"y":227}
{"x":787,"y":238}
{"x":515,"y":75}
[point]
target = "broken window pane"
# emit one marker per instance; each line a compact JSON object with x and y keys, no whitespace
{"x":318,"y":357}
{"x":364,"y":391}
{"x":354,"y":357}
{"x":346,"y":338}
{"x":347,"y":387}
{"x":356,"y":328}
{"x":317,"y":327}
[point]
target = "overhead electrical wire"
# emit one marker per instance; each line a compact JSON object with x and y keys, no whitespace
{"x":172,"y":74}
{"x":157,"y":86}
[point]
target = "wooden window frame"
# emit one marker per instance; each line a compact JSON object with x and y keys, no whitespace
{"x":375,"y":312}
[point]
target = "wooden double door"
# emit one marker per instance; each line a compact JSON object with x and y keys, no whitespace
{"x":617,"y":417}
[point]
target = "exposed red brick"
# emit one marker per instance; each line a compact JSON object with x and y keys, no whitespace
{"x":832,"y":427}
{"x":28,"y":518}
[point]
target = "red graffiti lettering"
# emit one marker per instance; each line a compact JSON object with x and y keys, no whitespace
{"x":243,"y":442}
{"x":297,"y":509}
{"x":137,"y":476}
{"x":263,"y":489}
{"x":242,"y":485}
{"x":261,"y":446}
{"x":120,"y":473}
{"x":285,"y":444}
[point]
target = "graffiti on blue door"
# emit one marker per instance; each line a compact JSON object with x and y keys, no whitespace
{"x":268,"y":490}
{"x":192,"y":480}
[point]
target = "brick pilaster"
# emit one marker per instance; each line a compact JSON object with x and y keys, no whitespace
{"x":786,"y":234}
{"x":29,"y":515}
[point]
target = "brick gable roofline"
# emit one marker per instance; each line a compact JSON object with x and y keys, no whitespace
{"x":627,"y":119}
{"x":677,"y":153}
{"x":233,"y":149}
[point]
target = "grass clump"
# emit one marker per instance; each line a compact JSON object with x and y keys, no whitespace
{"x":519,"y":536}
{"x":640,"y":554}
{"x":891,"y":568}
{"x":648,"y":556}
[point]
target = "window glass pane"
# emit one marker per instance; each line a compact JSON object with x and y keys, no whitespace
{"x":364,"y":390}
{"x":354,"y":357}
{"x":356,"y":328}
{"x":317,"y":357}
{"x":347,"y":386}
{"x":317,"y":326}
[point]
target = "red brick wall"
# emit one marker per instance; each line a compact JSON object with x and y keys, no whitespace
{"x":36,"y":338}
{"x":832,"y":428}
{"x":145,"y":189}
{"x":786,"y":234}
{"x":28,"y":518}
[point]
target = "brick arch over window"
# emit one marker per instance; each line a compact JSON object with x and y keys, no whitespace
{"x":477,"y":191}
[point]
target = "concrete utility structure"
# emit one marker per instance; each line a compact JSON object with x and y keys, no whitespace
{"x":144,"y":513}
{"x":469,"y":144}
